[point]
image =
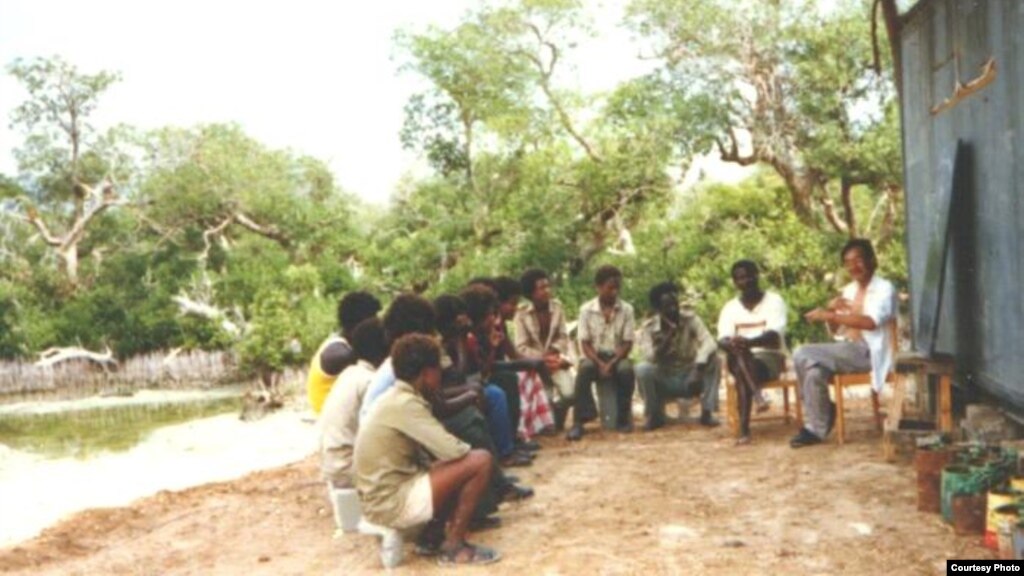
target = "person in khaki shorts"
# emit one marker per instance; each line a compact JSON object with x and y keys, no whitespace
{"x":398,"y":490}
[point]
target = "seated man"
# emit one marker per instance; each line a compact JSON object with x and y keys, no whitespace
{"x":339,"y":420}
{"x":412,"y":314}
{"x":541,"y":335}
{"x":860,"y":317}
{"x":335,"y":354}
{"x":503,"y":373}
{"x":751,"y":328}
{"x":407,"y":314}
{"x":399,"y":491}
{"x":606,"y":327}
{"x":678,"y":359}
{"x":460,"y":389}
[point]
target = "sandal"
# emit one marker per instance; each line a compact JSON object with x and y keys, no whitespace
{"x":477,"y":555}
{"x":485,"y":523}
{"x":516,"y":459}
{"x":516,"y":493}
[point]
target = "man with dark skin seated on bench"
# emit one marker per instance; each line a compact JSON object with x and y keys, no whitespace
{"x":396,"y":488}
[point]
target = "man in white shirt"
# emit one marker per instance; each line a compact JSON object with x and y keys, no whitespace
{"x":751,"y":331}
{"x":339,"y":419}
{"x":861,"y":317}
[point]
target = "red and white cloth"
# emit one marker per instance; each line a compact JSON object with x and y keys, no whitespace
{"x":535,"y":410}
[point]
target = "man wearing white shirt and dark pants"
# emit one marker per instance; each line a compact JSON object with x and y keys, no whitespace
{"x":751,"y":331}
{"x":861,"y":316}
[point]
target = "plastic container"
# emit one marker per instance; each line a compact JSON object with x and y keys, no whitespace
{"x":391,"y":551}
{"x":1006,"y":525}
{"x":347,"y":510}
{"x":996,"y":499}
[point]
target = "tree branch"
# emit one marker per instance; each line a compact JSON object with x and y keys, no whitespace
{"x":845,"y":195}
{"x":52,"y":356}
{"x":268,"y":231}
{"x":106,"y":197}
{"x":733,"y":154}
{"x":829,"y":209}
{"x":32,"y":217}
{"x":545,"y":85}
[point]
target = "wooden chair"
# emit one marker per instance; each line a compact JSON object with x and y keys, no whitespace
{"x":841,"y":382}
{"x":783,"y":383}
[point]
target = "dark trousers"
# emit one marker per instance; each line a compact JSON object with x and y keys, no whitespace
{"x":623,"y":379}
{"x":470,"y":426}
{"x":508,"y":381}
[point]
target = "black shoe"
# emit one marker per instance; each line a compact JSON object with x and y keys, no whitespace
{"x":514,"y":493}
{"x":625,"y":427}
{"x":831,"y":418}
{"x":804,"y":438}
{"x":531,"y":455}
{"x":653,"y":424}
{"x":560,"y":413}
{"x":575,"y":433}
{"x":485,"y":523}
{"x":528,"y":445}
{"x":706,"y":419}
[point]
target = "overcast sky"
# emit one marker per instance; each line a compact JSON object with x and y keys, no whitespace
{"x":314,"y":76}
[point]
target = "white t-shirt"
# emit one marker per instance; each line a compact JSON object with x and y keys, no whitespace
{"x":880,"y":305}
{"x":768,"y":316}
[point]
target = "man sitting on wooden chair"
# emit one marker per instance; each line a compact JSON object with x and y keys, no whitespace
{"x":750,"y":330}
{"x":860,"y":317}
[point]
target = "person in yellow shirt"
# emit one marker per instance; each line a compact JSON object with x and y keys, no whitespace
{"x":336,"y":354}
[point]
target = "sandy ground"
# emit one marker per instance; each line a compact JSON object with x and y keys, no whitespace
{"x":681,"y":500}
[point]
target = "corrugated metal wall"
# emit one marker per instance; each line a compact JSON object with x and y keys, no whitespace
{"x":982,"y":319}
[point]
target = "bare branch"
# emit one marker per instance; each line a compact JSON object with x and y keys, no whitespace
{"x":733,"y":154}
{"x":189,"y":306}
{"x":32,"y":217}
{"x":209,"y":233}
{"x":266,"y":231}
{"x":52,"y":356}
{"x":546,"y":71}
{"x":829,"y":209}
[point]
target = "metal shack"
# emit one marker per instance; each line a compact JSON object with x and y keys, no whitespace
{"x":960,"y":64}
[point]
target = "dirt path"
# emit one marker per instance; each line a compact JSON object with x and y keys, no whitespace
{"x":681,"y":500}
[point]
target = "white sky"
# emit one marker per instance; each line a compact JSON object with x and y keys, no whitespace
{"x":314,"y":76}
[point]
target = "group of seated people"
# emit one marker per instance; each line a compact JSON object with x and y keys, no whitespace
{"x":424,"y":409}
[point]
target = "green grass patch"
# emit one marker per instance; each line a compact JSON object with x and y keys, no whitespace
{"x":82,"y":433}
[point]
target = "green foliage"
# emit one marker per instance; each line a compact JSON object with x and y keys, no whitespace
{"x":721,"y":224}
{"x":528,"y":171}
{"x":793,"y":78}
{"x":286,"y":323}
